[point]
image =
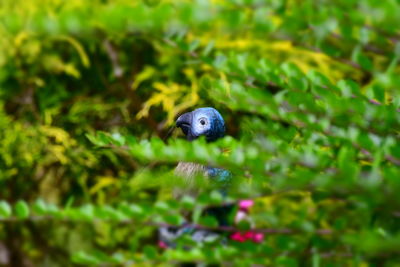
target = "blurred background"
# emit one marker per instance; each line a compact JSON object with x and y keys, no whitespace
{"x":128,"y":68}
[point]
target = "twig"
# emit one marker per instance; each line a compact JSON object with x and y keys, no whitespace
{"x":113,"y":55}
{"x":227,"y":229}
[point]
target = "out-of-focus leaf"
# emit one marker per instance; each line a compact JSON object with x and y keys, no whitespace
{"x":21,"y":209}
{"x":5,"y":209}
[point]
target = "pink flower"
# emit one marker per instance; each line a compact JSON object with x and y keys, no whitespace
{"x":249,"y":235}
{"x":258,"y":237}
{"x":240,"y":215}
{"x":245,"y":204}
{"x":237,"y":236}
{"x":161,"y":244}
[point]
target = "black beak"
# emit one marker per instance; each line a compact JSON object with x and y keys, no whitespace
{"x":185,"y":122}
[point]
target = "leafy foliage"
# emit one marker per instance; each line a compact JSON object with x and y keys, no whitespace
{"x":309,"y":92}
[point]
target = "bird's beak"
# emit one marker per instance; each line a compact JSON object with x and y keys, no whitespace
{"x":185,"y":122}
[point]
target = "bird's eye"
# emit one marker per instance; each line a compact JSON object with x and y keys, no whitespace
{"x":203,"y":121}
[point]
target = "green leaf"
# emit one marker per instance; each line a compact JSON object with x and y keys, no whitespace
{"x":86,"y":212}
{"x":349,"y":88}
{"x":82,"y":257}
{"x":173,"y":219}
{"x":216,"y":197}
{"x":196,"y":215}
{"x":397,"y":49}
{"x":162,"y":206}
{"x":150,"y":252}
{"x":132,"y":210}
{"x":208,"y":221}
{"x":39,"y":207}
{"x":118,"y":139}
{"x":208,"y":48}
{"x":316,"y":258}
{"x":5,"y":209}
{"x":22,"y":209}
{"x":194,"y":45}
{"x":360,"y":58}
{"x":244,"y":225}
{"x":188,"y":202}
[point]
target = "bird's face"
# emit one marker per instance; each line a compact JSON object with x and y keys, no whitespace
{"x":202,"y":122}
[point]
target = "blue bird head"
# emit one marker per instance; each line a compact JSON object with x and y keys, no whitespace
{"x":202,"y":122}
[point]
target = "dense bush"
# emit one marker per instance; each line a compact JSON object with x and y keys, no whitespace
{"x":309,"y":92}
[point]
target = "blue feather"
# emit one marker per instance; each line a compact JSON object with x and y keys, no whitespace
{"x":206,"y":122}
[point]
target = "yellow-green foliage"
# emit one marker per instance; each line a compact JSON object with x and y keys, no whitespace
{"x":309,"y":90}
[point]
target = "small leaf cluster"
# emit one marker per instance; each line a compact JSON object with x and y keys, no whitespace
{"x":309,"y":91}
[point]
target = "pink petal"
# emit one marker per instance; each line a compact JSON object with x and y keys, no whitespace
{"x":237,"y":236}
{"x":258,"y":237}
{"x":248,"y":235}
{"x":245,"y":204}
{"x":161,"y":244}
{"x":240,"y":215}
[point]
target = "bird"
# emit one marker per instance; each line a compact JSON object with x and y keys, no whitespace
{"x":204,"y":122}
{"x":209,"y":123}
